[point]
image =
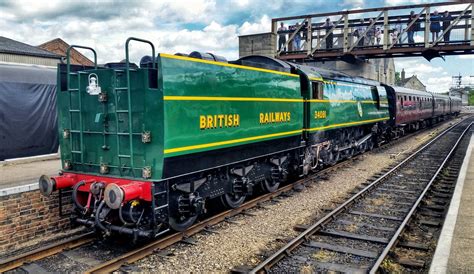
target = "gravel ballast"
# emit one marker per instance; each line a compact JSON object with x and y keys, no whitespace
{"x":255,"y":237}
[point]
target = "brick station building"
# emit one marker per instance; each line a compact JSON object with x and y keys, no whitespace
{"x":59,"y":47}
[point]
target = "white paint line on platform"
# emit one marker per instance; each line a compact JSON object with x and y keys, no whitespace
{"x":439,"y":264}
{"x":18,"y":189}
{"x":30,"y":159}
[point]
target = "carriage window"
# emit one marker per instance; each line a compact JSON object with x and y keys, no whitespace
{"x":317,"y":90}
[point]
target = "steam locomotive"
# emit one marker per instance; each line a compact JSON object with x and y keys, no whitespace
{"x":146,"y":149}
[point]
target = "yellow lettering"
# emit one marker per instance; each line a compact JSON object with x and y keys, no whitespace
{"x":274,"y":117}
{"x":320,"y":114}
{"x":209,"y":121}
{"x":202,"y":122}
{"x":219,"y":121}
{"x":236,"y":120}
{"x":220,"y":116}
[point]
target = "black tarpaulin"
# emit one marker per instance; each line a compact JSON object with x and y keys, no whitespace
{"x":28,"y":117}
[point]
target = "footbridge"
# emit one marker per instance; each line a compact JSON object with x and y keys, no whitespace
{"x":428,"y":30}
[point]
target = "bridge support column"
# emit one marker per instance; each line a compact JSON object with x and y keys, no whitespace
{"x":346,"y":33}
{"x":427,"y":27}
{"x":472,"y":25}
{"x":309,"y":37}
{"x":386,"y":30}
{"x":274,"y":31}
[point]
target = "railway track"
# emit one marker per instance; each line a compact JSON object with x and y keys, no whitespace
{"x":140,"y":253}
{"x":145,"y":250}
{"x":358,"y":235}
{"x":46,"y":251}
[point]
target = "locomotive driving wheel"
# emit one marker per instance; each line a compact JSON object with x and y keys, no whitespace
{"x":184,"y":210}
{"x":232,"y":200}
{"x":181,"y":222}
{"x":270,"y":185}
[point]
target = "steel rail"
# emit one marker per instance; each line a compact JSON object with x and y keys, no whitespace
{"x":148,"y":249}
{"x":266,"y":265}
{"x":77,"y":241}
{"x":401,"y":228}
{"x":160,"y":244}
{"x":46,"y":251}
{"x":132,"y":256}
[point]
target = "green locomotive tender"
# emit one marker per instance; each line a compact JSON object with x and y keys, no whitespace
{"x":146,"y":149}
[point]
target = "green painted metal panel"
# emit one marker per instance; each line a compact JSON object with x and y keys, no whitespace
{"x":198,"y":106}
{"x":105,"y":125}
{"x":346,"y":104}
{"x":200,"y":96}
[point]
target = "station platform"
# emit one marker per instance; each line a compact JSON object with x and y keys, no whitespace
{"x":455,"y":249}
{"x":22,"y":175}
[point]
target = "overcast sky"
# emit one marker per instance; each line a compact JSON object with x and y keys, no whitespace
{"x":184,"y":26}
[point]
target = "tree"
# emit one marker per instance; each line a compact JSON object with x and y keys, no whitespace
{"x":398,"y":80}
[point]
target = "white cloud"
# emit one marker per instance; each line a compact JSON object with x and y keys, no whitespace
{"x":433,"y":77}
{"x":240,"y":3}
{"x":404,"y":2}
{"x":467,"y":56}
{"x":106,"y":31}
{"x":263,"y":25}
{"x":352,"y":3}
{"x":172,"y":25}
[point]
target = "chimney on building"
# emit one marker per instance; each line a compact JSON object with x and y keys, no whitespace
{"x":402,"y":76}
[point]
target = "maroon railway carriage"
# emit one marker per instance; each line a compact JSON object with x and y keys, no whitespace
{"x":455,"y":105}
{"x":413,"y":108}
{"x":441,"y":106}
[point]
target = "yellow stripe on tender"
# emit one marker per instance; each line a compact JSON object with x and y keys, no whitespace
{"x":225,"y":64}
{"x":346,"y":124}
{"x":256,"y":99}
{"x":340,"y":101}
{"x":218,"y":98}
{"x":228,"y":142}
{"x":330,"y":101}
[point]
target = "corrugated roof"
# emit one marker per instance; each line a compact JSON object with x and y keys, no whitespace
{"x":8,"y":45}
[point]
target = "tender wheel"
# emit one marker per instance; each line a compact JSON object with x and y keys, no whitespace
{"x":181,"y":223}
{"x":270,"y":186}
{"x":230,"y":200}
